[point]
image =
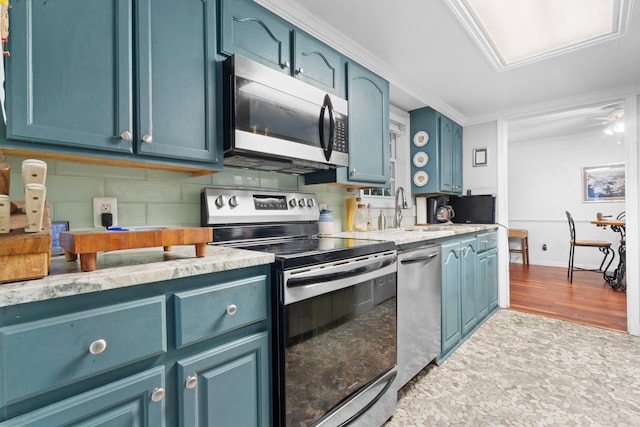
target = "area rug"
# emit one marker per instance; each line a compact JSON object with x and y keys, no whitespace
{"x":519,"y":369}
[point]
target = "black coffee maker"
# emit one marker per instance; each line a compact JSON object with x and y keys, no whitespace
{"x":433,"y":204}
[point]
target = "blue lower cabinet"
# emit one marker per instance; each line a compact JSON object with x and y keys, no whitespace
{"x":63,"y":349}
{"x":136,"y":401}
{"x":469,"y":287}
{"x":451,"y":319}
{"x":227,"y":386}
{"x":193,"y":351}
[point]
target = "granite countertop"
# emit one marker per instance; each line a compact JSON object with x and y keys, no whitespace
{"x":417,"y":233}
{"x":120,"y":269}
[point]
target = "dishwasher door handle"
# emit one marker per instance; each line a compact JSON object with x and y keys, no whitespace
{"x":418,"y":258}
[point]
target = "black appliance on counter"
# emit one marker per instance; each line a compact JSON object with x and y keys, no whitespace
{"x":433,"y":204}
{"x":477,"y":209}
{"x":334,"y":307}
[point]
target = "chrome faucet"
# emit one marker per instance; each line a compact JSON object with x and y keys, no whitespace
{"x":400,"y":206}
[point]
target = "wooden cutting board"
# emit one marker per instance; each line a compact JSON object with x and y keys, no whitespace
{"x":25,"y":256}
{"x":88,"y":243}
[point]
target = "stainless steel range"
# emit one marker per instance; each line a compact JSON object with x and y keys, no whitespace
{"x":334,"y":307}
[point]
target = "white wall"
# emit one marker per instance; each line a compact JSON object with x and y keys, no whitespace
{"x":481,"y":179}
{"x":545,"y":180}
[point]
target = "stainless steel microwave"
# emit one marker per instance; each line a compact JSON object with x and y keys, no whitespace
{"x":275,"y":122}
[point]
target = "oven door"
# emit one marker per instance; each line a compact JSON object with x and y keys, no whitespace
{"x":337,"y":333}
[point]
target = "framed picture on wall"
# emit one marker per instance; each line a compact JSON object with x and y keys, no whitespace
{"x":604,"y":183}
{"x":479,"y":157}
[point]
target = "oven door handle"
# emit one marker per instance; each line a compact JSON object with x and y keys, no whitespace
{"x":322,"y":278}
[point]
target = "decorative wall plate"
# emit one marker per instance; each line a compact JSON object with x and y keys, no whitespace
{"x":420,"y":139}
{"x":420,"y":178}
{"x":420,"y":159}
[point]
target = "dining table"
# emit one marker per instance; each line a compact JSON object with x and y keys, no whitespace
{"x":616,"y":280}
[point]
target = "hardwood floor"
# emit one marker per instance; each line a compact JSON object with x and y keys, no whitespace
{"x":546,"y":291}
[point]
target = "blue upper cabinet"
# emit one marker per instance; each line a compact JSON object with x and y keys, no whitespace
{"x":436,"y":153}
{"x":115,"y":79}
{"x":250,"y":30}
{"x":69,"y":76}
{"x":177,"y":71}
{"x":369,"y":149}
{"x":317,"y":64}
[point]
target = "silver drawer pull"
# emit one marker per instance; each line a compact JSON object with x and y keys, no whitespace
{"x":232,"y":309}
{"x":98,"y":346}
{"x":147,"y":139}
{"x":157,"y":395}
{"x":191,"y":382}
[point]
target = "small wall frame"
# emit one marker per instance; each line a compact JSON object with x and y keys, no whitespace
{"x":56,"y":228}
{"x":479,"y":157}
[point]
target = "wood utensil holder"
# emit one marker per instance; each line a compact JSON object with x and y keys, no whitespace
{"x":25,"y":256}
{"x":88,"y":243}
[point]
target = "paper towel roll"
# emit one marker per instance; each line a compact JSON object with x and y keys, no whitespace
{"x":421,"y":210}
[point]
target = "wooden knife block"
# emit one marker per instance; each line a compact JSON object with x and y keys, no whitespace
{"x":25,"y":256}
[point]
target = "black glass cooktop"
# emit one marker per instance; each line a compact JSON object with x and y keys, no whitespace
{"x":305,"y":251}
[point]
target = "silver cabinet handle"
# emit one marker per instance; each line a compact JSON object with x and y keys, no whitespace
{"x":285,"y":64}
{"x":191,"y":382}
{"x":232,"y":309}
{"x":147,"y":139}
{"x":157,"y":395}
{"x":126,"y":135}
{"x":353,"y":171}
{"x":98,"y":346}
{"x":300,"y":70}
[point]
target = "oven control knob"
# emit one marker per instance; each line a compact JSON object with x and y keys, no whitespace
{"x":219,"y":201}
{"x":311,"y":203}
{"x":292,"y":203}
{"x":302,"y":202}
{"x":233,"y":201}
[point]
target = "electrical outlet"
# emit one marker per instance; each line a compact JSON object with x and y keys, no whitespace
{"x":105,"y":205}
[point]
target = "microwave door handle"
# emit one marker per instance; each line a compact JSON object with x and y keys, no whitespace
{"x":321,"y":128}
{"x":328,"y":147}
{"x":332,"y":131}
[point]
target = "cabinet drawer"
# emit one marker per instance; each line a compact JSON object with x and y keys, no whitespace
{"x":132,"y":401}
{"x":487,"y":241}
{"x":211,"y":311}
{"x":46,"y":354}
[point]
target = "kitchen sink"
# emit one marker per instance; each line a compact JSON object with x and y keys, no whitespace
{"x":432,"y":228}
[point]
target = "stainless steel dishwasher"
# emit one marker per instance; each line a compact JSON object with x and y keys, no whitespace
{"x":419,"y":296}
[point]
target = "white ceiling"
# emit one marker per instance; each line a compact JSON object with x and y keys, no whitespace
{"x":429,"y":58}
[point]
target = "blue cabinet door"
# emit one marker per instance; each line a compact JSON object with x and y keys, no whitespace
{"x":468,"y":295}
{"x":483,"y":285}
{"x":250,"y":30}
{"x":446,"y":154}
{"x":318,"y":64}
{"x":451,"y":326}
{"x":177,"y":80}
{"x":227,"y":386}
{"x":491,"y":278}
{"x":136,"y":401}
{"x":369,"y":149}
{"x":456,"y":159}
{"x":69,"y":76}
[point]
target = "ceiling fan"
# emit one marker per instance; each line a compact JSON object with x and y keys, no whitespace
{"x":614,"y":121}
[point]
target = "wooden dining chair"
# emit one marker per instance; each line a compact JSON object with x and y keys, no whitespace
{"x":604,"y":247}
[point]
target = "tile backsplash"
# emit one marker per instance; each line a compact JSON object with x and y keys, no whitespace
{"x":149,"y":197}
